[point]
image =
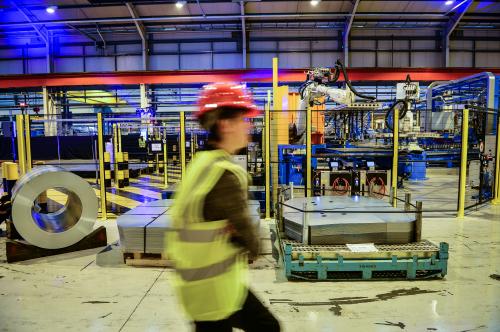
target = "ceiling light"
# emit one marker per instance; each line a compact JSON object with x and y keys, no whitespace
{"x":180,"y":4}
{"x":449,"y":2}
{"x":51,"y":9}
{"x":314,"y":2}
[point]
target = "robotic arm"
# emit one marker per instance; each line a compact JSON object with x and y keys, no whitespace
{"x":316,"y":87}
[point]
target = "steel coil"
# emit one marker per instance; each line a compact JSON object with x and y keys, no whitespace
{"x":65,"y":227}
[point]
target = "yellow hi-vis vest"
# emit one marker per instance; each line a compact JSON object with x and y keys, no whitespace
{"x":211,"y":272}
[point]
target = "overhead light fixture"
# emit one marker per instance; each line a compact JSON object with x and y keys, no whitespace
{"x":180,"y":4}
{"x":51,"y":9}
{"x":315,"y":2}
{"x":449,"y":2}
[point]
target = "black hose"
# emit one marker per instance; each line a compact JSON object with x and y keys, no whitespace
{"x":401,"y":115}
{"x":348,"y":82}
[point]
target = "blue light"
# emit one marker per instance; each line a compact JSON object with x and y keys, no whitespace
{"x":449,"y":2}
{"x":51,"y":9}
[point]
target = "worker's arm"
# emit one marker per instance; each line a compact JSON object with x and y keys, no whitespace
{"x":227,"y":200}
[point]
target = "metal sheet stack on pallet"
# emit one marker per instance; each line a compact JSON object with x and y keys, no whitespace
{"x":142,"y":229}
{"x":329,"y":224}
{"x":356,"y":238}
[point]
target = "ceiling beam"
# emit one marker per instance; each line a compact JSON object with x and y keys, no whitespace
{"x":41,"y":31}
{"x":455,"y":14}
{"x":223,"y":17}
{"x":142,"y":32}
{"x":347,"y":30}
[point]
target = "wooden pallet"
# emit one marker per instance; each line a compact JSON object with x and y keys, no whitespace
{"x":145,"y":259}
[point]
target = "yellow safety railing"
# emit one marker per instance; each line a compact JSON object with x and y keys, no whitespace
{"x":308,"y":191}
{"x":27,"y":129}
{"x":102,"y":186}
{"x":463,"y":163}
{"x":395,"y":157}
{"x":21,"y":148}
{"x":267,"y":149}
{"x":496,"y":199}
{"x":182,"y":144}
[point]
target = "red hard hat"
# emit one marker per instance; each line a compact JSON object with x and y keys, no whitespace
{"x":233,"y":95}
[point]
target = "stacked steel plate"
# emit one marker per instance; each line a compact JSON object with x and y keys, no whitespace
{"x":143,"y":228}
{"x":345,"y":219}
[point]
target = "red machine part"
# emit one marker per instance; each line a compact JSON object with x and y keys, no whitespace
{"x":380,"y":191}
{"x":341,"y":186}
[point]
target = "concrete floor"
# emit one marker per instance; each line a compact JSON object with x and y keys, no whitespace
{"x":70,"y":292}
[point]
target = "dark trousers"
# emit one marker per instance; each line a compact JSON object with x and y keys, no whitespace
{"x":253,"y":316}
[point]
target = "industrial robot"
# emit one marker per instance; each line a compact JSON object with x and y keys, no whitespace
{"x":317,"y":90}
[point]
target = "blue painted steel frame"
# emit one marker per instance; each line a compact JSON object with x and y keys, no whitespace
{"x":436,"y":263}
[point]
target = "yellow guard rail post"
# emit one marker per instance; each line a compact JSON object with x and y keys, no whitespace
{"x":100,"y":148}
{"x":267,"y":150}
{"x":395,"y":157}
{"x":182,"y":144}
{"x":21,"y":152}
{"x":496,"y":199}
{"x":308,"y":191}
{"x":463,"y":163}
{"x":27,"y":129}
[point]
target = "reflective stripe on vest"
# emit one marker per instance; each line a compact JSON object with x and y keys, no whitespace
{"x":207,"y":271}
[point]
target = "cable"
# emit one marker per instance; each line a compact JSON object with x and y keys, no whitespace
{"x":401,"y":115}
{"x":340,"y":65}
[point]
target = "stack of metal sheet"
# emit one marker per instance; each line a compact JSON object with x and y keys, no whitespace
{"x":341,"y":220}
{"x":143,"y":228}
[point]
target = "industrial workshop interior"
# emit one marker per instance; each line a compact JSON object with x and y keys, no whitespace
{"x":368,"y":182}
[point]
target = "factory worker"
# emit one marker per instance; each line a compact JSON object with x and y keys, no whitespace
{"x":214,"y":237}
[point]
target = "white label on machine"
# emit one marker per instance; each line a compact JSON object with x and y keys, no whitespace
{"x":362,"y":247}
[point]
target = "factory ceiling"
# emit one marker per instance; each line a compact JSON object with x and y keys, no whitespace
{"x":120,"y":20}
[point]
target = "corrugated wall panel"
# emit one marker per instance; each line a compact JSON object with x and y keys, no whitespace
{"x":131,"y":48}
{"x":129,"y":62}
{"x":100,"y":64}
{"x":227,"y":61}
{"x":294,"y":46}
{"x":68,"y":65}
{"x":362,"y":59}
{"x":362,"y":44}
{"x":70,"y":50}
{"x":422,"y":59}
{"x":9,"y":67}
{"x":225,"y":46}
{"x":195,"y":47}
{"x":294,"y":60}
{"x":262,"y":60}
{"x":196,"y":61}
{"x":37,"y":66}
{"x":460,"y":59}
{"x":326,"y":59}
{"x":263,"y":46}
{"x":164,"y":62}
{"x":487,"y":60}
{"x":384,"y":59}
{"x":11,"y":53}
